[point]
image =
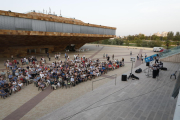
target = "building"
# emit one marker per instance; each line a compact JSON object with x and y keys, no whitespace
{"x":22,"y":34}
{"x":163,"y":34}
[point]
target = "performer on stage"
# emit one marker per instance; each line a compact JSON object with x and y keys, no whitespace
{"x":157,"y":59}
{"x":154,"y":70}
{"x":158,"y":67}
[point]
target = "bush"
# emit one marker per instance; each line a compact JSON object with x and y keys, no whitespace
{"x":121,"y":42}
{"x":155,"y":43}
{"x":138,"y":42}
{"x":158,"y":43}
{"x":144,"y":44}
{"x":127,"y":43}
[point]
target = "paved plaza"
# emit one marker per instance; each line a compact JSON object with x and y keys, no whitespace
{"x":144,"y":99}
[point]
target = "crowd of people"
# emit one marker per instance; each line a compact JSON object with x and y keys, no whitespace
{"x":57,"y":74}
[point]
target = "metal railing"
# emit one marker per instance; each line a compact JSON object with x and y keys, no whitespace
{"x":169,"y":52}
{"x":115,"y":76}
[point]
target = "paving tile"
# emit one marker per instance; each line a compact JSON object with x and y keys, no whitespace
{"x":138,"y":114}
{"x":151,"y":115}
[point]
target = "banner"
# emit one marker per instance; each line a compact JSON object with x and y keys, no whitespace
{"x":150,"y":58}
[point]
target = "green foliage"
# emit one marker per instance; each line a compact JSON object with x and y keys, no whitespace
{"x":177,"y":36}
{"x":170,"y":35}
{"x":144,"y":44}
{"x":121,"y":42}
{"x":158,"y":43}
{"x":106,"y":41}
{"x":136,"y":38}
{"x":164,"y":38}
{"x":127,"y":43}
{"x":154,"y":43}
{"x":167,"y":43}
{"x":155,"y":37}
{"x":138,"y":42}
{"x":141,"y":37}
{"x":177,"y":43}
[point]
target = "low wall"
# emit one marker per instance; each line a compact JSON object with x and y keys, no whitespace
{"x":131,"y":47}
{"x":173,"y":58}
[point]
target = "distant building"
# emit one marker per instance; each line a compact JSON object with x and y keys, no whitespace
{"x":163,"y":34}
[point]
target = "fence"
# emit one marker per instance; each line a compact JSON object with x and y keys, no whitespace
{"x":115,"y":75}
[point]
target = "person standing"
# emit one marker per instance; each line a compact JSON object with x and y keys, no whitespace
{"x":142,"y":58}
{"x":123,"y":60}
{"x":138,"y":57}
{"x":49,"y":58}
{"x":145,"y":55}
{"x":108,"y":58}
{"x":47,"y":54}
{"x":12,"y":57}
{"x":154,"y":70}
{"x":103,"y":55}
{"x":65,"y":55}
{"x":157,"y":59}
{"x":113,"y":56}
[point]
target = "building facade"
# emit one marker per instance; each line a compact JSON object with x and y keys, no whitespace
{"x":21,"y":34}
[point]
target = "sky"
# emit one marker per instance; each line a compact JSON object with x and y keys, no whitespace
{"x":130,"y":17}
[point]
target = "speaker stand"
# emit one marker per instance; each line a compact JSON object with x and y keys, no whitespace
{"x":145,"y":70}
{"x":130,"y":76}
{"x":149,"y":73}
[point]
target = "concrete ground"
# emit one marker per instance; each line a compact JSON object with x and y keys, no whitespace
{"x":28,"y":104}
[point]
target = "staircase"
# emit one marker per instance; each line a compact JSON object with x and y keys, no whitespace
{"x":171,"y":55}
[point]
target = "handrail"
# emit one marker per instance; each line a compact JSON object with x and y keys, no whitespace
{"x":169,"y":52}
{"x":104,"y":78}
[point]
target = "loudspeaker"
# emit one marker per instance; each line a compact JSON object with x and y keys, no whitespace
{"x":124,"y":77}
{"x":147,"y":64}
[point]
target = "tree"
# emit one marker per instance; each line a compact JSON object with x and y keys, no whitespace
{"x":116,"y":41}
{"x":177,"y":43}
{"x":138,"y":42}
{"x":154,"y":37}
{"x":170,"y":35}
{"x":177,"y":36}
{"x":130,"y":37}
{"x":167,"y":43}
{"x":142,"y":37}
{"x":106,"y":41}
{"x":144,"y":44}
{"x":121,"y":42}
{"x":136,"y":38}
{"x":127,"y":43}
{"x":158,"y":43}
{"x":152,"y":44}
{"x":164,"y":38}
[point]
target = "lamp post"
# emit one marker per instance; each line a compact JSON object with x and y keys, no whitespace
{"x":132,"y":59}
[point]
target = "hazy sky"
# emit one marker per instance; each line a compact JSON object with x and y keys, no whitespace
{"x":128,"y":16}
